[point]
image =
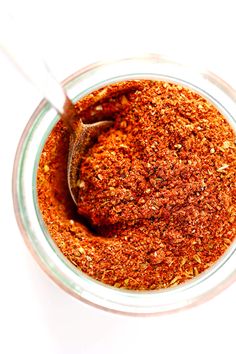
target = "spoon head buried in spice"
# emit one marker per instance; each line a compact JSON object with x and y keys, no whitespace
{"x":83,"y":136}
{"x":80,"y":141}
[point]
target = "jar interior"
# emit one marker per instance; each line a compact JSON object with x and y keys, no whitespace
{"x":77,"y":282}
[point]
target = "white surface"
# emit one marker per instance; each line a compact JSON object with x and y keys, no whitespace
{"x":35,"y":315}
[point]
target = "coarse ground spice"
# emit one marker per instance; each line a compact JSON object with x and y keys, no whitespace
{"x":158,"y":187}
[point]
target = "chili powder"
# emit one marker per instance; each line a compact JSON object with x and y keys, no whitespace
{"x":158,"y":187}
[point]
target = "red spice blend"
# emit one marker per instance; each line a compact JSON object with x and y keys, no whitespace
{"x":158,"y":188}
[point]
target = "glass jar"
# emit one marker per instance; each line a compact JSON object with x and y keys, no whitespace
{"x":37,"y":238}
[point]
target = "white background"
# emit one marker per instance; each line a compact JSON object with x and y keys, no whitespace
{"x":35,"y":315}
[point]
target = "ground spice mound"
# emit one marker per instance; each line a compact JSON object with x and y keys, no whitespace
{"x":158,"y":187}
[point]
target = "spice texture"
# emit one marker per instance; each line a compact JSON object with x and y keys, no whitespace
{"x":158,"y":187}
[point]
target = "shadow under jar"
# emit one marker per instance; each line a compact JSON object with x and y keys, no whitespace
{"x":123,"y":294}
